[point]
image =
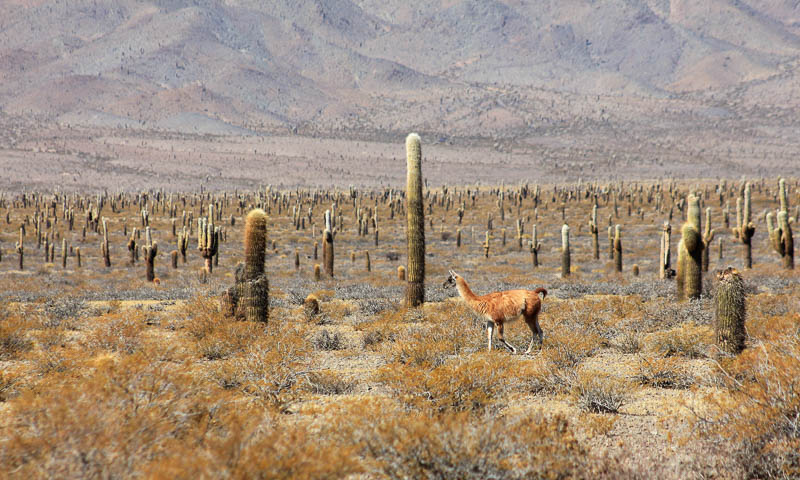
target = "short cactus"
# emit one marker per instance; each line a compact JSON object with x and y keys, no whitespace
{"x":149,"y":252}
{"x":708,"y":238}
{"x":327,"y":245}
{"x":729,"y":312}
{"x":690,"y":253}
{"x":311,"y":306}
{"x":208,"y":239}
{"x":183,"y":243}
{"x":664,"y":270}
{"x":594,"y":231}
{"x":781,"y":234}
{"x":132,"y":246}
{"x":744,"y":230}
{"x":535,"y":246}
{"x":252,"y":292}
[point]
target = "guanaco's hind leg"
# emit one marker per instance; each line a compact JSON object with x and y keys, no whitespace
{"x":536,"y":331}
{"x":489,"y":332}
{"x":503,"y":340}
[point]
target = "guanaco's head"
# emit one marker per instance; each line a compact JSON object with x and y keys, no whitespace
{"x":451,"y":279}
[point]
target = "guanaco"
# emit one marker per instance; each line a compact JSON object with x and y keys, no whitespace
{"x":502,"y":307}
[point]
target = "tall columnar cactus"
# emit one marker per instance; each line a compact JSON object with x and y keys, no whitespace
{"x":594,"y":231}
{"x":708,"y":237}
{"x":744,"y":230}
{"x":327,"y":244}
{"x":415,"y":229}
{"x":64,"y":253}
{"x":610,"y":240}
{"x":104,"y":246}
{"x":520,"y":232}
{"x":535,"y":246}
{"x":208,"y":238}
{"x":617,"y":249}
{"x":487,"y":245}
{"x":780,"y":235}
{"x":21,"y":248}
{"x":565,"y":258}
{"x":690,"y":254}
{"x":249,"y":297}
{"x":729,"y":312}
{"x":664,"y":270}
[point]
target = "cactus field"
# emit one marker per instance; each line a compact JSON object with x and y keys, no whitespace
{"x":285,"y":333}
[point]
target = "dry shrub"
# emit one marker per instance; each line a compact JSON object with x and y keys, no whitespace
{"x":600,"y":393}
{"x":760,"y":413}
{"x":13,"y":337}
{"x":268,"y":367}
{"x":451,"y":445}
{"x":630,"y":341}
{"x":328,"y":383}
{"x":119,"y":332}
{"x":547,"y":378}
{"x":138,"y":418}
{"x":598,"y":424}
{"x":198,"y":317}
{"x":117,"y":415}
{"x":448,"y":330}
{"x":386,"y":328}
{"x":687,"y":340}
{"x":52,"y":362}
{"x":662,"y":372}
{"x":567,"y":348}
{"x":323,"y":340}
{"x":468,"y":383}
{"x":8,"y":385}
{"x":228,"y":338}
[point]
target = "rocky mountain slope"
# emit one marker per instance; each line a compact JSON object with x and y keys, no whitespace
{"x":453,"y":67}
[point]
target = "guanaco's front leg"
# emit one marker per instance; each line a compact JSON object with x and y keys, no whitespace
{"x":489,"y":332}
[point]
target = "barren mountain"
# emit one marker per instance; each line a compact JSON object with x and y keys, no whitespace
{"x":717,"y":78}
{"x":328,"y":64}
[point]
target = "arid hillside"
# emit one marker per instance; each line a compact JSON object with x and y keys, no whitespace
{"x":93,"y":93}
{"x":450,"y":66}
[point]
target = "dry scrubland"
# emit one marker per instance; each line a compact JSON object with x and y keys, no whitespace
{"x":105,"y":374}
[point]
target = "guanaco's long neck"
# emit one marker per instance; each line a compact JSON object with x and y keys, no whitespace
{"x":472,"y":300}
{"x":464,"y":290}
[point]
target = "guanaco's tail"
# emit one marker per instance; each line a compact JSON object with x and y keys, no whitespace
{"x":542,"y":291}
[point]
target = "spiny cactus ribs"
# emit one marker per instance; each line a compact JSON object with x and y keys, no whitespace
{"x":415,"y":231}
{"x":729,"y":314}
{"x":248,"y":299}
